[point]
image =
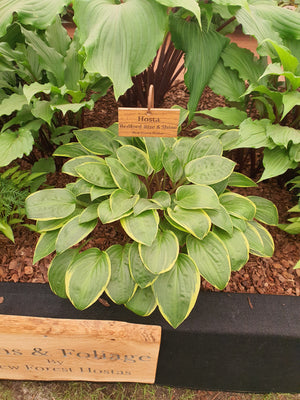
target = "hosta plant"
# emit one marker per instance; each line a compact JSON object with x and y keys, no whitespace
{"x":171,"y":198}
{"x":277,"y":101}
{"x":44,"y":90}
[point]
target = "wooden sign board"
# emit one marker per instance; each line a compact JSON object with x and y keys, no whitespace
{"x":34,"y":348}
{"x":141,"y":122}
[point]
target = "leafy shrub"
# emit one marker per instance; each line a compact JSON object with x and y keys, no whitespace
{"x":172,"y":199}
{"x":43,"y":90}
{"x":278,"y":103}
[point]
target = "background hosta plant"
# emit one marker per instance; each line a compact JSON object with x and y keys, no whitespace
{"x":119,"y":39}
{"x":172,"y":199}
{"x":277,"y":102}
{"x":43,"y":90}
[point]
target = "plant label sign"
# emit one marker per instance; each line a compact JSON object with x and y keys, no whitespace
{"x":140,"y":122}
{"x":34,"y":348}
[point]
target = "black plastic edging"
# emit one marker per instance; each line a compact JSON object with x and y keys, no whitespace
{"x":230,"y":342}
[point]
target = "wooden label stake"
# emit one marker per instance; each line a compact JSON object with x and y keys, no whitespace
{"x":83,"y":350}
{"x":150,"y":121}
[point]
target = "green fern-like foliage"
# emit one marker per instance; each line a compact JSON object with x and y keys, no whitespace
{"x":14,"y":188}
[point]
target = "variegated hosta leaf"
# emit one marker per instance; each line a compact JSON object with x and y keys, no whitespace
{"x":97,"y":140}
{"x":142,"y":228}
{"x":196,"y":222}
{"x":237,"y":247}
{"x":73,"y":232}
{"x":119,"y":205}
{"x":123,"y":178}
{"x":237,"y":179}
{"x":162,"y":254}
{"x":71,"y":150}
{"x":172,"y":165}
{"x":50,"y":204}
{"x":57,"y":271}
{"x":238,"y":205}
{"x":121,"y":286}
{"x":221,"y":218}
{"x":114,"y":35}
{"x":89,"y":213}
{"x":205,"y":146}
{"x":202,"y":50}
{"x":196,"y":196}
{"x":134,"y":160}
{"x":266,"y":211}
{"x":45,"y":245}
{"x":176,"y":291}
{"x":162,"y":198}
{"x":260,"y":241}
{"x":144,"y":205}
{"x":81,"y":187}
{"x":182,"y":148}
{"x":140,"y":274}
{"x":143,"y":302}
{"x":212,"y":259}
{"x":208,"y":170}
{"x":155,"y":148}
{"x":96,"y":173}
{"x":43,"y":15}
{"x":70,"y":166}
{"x":87,"y":277}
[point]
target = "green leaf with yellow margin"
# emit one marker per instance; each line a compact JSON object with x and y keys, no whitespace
{"x":57,"y":271}
{"x":177,"y":290}
{"x":73,"y":232}
{"x":212,"y":259}
{"x":50,"y":204}
{"x":143,"y":227}
{"x":143,"y":302}
{"x":237,"y":247}
{"x":162,"y":254}
{"x":140,"y":274}
{"x":87,"y":277}
{"x":197,"y":222}
{"x":45,"y":245}
{"x":121,"y":286}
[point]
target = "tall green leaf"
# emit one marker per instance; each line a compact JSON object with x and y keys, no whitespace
{"x":202,"y":50}
{"x":114,"y":37}
{"x":43,"y":15}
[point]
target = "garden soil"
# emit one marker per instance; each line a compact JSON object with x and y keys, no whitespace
{"x":260,"y":275}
